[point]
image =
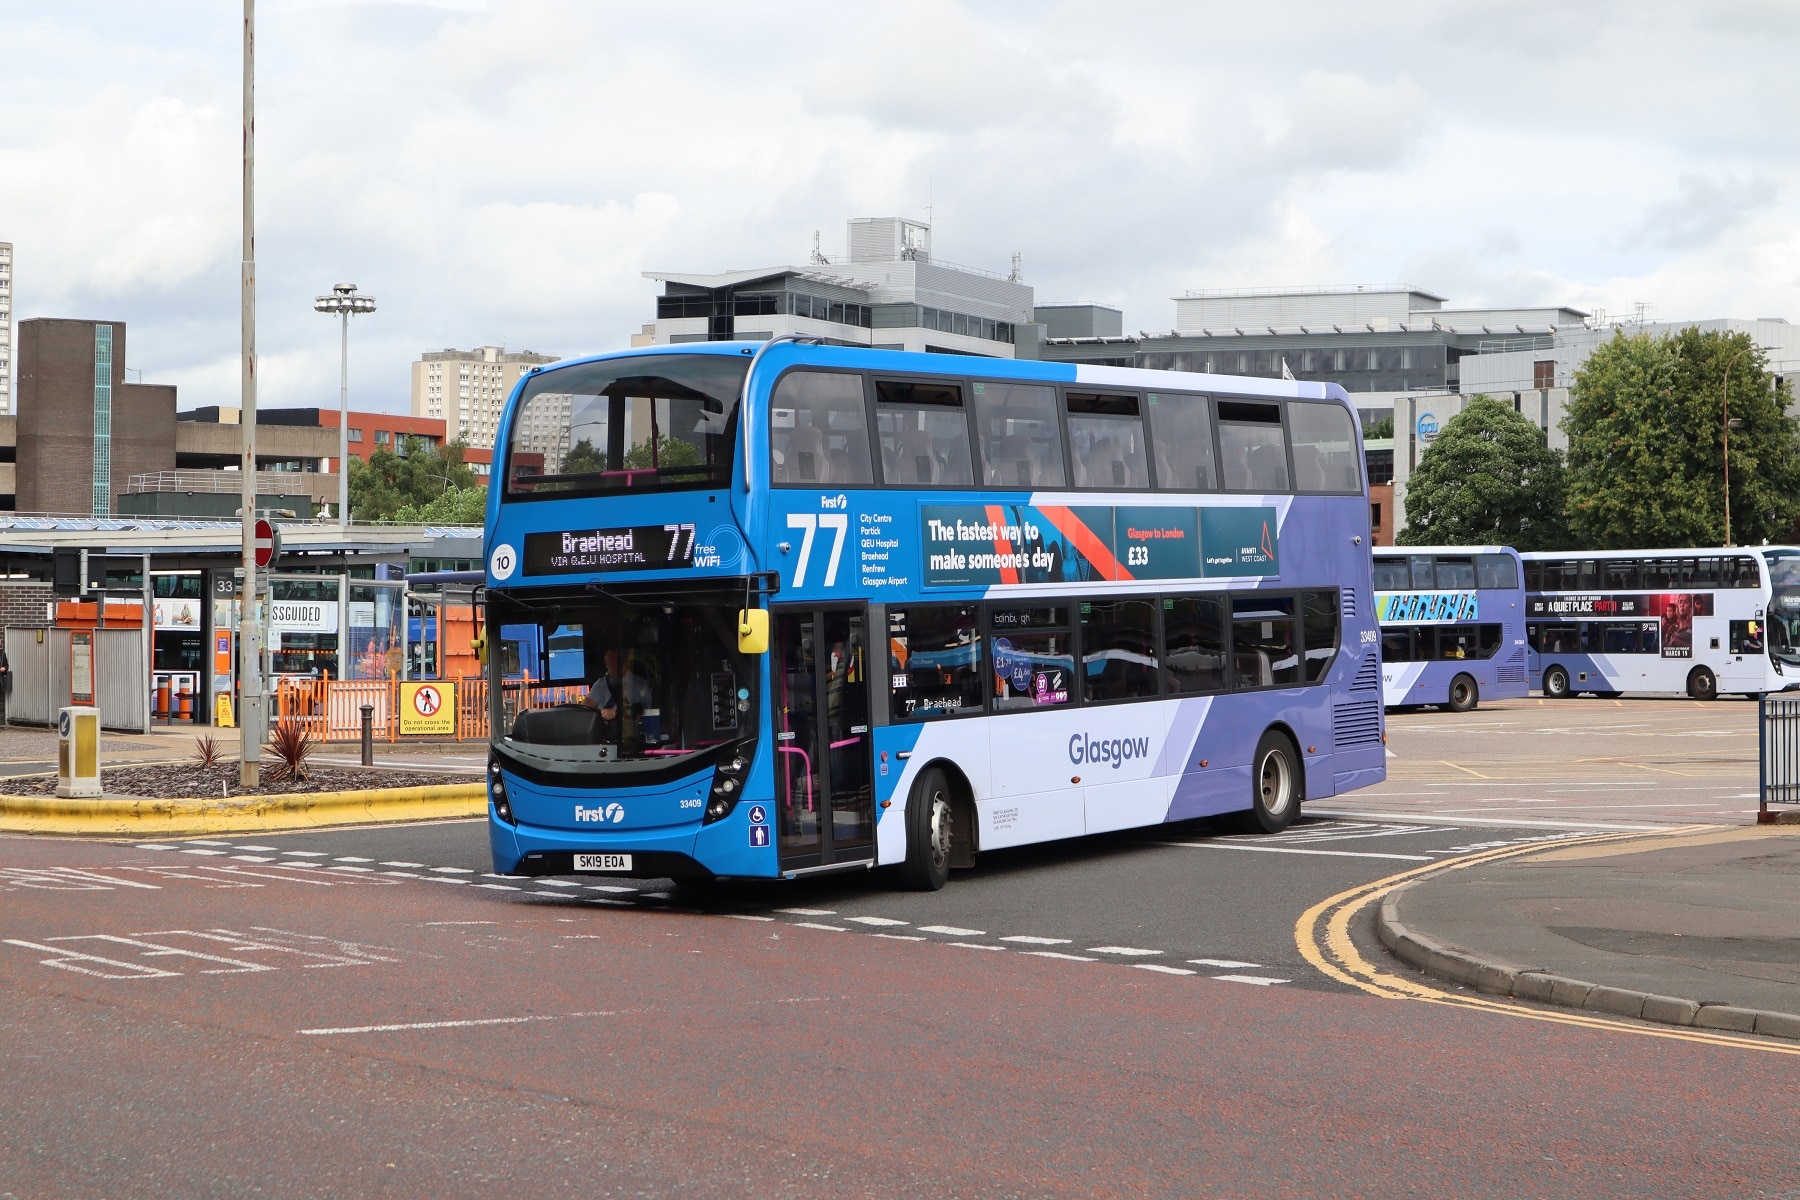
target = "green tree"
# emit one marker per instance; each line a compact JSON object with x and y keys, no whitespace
{"x":1383,"y":428}
{"x":1647,"y":443}
{"x":456,"y":506}
{"x":1490,"y":478}
{"x":389,"y":482}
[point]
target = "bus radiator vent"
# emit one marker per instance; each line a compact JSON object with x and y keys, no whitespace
{"x":1347,"y":598}
{"x":1513,"y":669}
{"x":1368,"y":676}
{"x":1357,"y":723}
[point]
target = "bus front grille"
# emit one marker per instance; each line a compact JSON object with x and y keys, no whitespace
{"x":1356,"y":724}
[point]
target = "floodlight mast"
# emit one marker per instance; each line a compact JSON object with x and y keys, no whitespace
{"x":345,"y":302}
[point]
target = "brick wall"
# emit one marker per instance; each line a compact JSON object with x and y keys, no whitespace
{"x":22,"y":604}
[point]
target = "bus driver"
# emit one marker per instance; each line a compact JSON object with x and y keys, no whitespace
{"x":612,"y":686}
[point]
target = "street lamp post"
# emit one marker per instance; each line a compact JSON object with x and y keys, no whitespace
{"x":344,"y":301}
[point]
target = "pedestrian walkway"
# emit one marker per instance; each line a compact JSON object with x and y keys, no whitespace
{"x":1699,"y":921}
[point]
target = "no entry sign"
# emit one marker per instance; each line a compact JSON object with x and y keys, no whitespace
{"x":264,"y":542}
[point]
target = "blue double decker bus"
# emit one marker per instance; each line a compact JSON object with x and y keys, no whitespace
{"x":1452,"y":625}
{"x":821,"y":608}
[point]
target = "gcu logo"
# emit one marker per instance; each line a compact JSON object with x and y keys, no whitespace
{"x":612,"y":812}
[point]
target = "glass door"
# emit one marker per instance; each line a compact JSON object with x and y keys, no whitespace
{"x":824,"y":791}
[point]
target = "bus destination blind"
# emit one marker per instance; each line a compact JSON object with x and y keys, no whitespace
{"x":628,"y":548}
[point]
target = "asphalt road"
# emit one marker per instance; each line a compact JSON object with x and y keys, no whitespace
{"x":370,"y":1012}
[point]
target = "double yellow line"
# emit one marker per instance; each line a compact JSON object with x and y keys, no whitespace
{"x":1323,"y":936}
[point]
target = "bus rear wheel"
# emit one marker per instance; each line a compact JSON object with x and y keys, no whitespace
{"x":1556,"y":684}
{"x":1464,"y":694}
{"x":1702,"y":684}
{"x":1275,"y":792}
{"x":929,"y":828}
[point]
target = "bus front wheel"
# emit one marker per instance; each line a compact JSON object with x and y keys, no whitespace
{"x":1556,"y":684}
{"x":1702,"y":685}
{"x":929,"y":827}
{"x":1274,"y":784}
{"x":1464,"y":694}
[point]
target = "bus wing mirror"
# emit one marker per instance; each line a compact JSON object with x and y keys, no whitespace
{"x":753,"y":631}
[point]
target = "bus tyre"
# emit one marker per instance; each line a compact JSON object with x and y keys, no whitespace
{"x":1702,"y":685}
{"x":928,"y":833}
{"x":1556,"y":683}
{"x":1274,"y":784}
{"x":1464,"y":694}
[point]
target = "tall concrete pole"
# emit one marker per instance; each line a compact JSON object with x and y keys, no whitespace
{"x":250,"y":699}
{"x":344,"y":424}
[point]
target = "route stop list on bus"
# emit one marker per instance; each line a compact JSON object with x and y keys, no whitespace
{"x":627,"y":548}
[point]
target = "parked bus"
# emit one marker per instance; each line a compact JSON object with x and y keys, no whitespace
{"x":837,"y":608}
{"x":1689,"y":621}
{"x":1452,"y":625}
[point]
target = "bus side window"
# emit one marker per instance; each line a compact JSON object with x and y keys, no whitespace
{"x":1324,"y":449}
{"x":1498,"y":571}
{"x":1032,"y":657}
{"x":934,"y":665}
{"x":1491,"y":638}
{"x":924,"y":436}
{"x":1392,"y":575}
{"x":1423,"y":579}
{"x":1021,"y":445}
{"x":1621,"y":575}
{"x":1252,"y":447}
{"x":1118,"y":649}
{"x":1319,"y":624}
{"x":1265,"y":647}
{"x":1587,"y":575}
{"x":1181,"y":432}
{"x":1746,"y":574}
{"x":1194,"y":644}
{"x":1106,"y":441}
{"x":1456,"y":574}
{"x":818,"y":430}
{"x":1400,"y":644}
{"x":1746,"y":637}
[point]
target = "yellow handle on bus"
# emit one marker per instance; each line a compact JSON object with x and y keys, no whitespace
{"x":479,"y":645}
{"x":753,"y":631}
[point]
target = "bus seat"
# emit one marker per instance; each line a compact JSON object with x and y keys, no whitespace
{"x":1009,"y":462}
{"x":1265,"y":468}
{"x":807,"y":457}
{"x":1309,"y":470}
{"x":914,"y":459}
{"x":1101,"y":466}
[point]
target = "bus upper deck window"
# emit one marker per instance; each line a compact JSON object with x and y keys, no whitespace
{"x":1324,"y":449}
{"x":924,"y":435}
{"x":1106,"y":441}
{"x":1392,"y":575}
{"x":1423,"y":580}
{"x":1456,"y":574}
{"x":1496,"y":571}
{"x":1252,"y":447}
{"x":1181,"y":431}
{"x":1015,"y":425}
{"x":1622,"y":575}
{"x":818,"y":430}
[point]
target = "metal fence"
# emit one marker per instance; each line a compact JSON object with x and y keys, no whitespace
{"x":330,"y":710}
{"x":1778,"y":752}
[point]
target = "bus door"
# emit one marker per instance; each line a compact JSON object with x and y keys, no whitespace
{"x":824,"y":793}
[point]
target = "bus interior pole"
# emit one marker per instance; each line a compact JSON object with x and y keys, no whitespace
{"x":250,"y":699}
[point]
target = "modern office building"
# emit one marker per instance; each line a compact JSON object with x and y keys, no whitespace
{"x":6,"y":329}
{"x":887,"y":292}
{"x":466,"y":389}
{"x":1377,"y":342}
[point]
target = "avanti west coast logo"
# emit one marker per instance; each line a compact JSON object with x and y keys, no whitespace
{"x":1100,"y":751}
{"x":613,"y":813}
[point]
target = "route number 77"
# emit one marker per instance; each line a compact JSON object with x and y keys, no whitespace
{"x":808,"y":523}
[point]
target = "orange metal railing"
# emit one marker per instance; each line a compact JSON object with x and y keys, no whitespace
{"x":330,"y":710}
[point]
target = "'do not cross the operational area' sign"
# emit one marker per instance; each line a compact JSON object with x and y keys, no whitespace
{"x":428,"y":707}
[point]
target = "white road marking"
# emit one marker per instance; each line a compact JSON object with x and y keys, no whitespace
{"x":1125,"y":951}
{"x":441,"y":879}
{"x":607,"y":887}
{"x":390,"y":864}
{"x":159,"y":846}
{"x":203,"y":852}
{"x":655,"y":896}
{"x":1163,"y":969}
{"x":198,"y":842}
{"x":1519,"y":822}
{"x":953,"y":930}
{"x":816,"y":925}
{"x":561,"y":883}
{"x":498,"y":887}
{"x":900,"y":937}
{"x":363,"y":870}
{"x":975,"y":946}
{"x":1028,"y":940}
{"x":351,"y":858}
{"x":307,"y":853}
{"x":1258,"y":980}
{"x":303,"y":863}
{"x":748,"y":917}
{"x":484,"y":874}
{"x":260,"y":849}
{"x":554,"y":895}
{"x":1226,"y":963}
{"x":328,"y":1032}
{"x":255,"y":858}
{"x":1064,"y":957}
{"x":402,"y":874}
{"x":454,"y":870}
{"x":877,"y":921}
{"x":1298,"y":850}
{"x":809,"y":912}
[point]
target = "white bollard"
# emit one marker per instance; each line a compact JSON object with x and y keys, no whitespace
{"x":78,"y":753}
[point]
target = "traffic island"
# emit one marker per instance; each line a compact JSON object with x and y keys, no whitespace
{"x":1692,"y":930}
{"x":171,"y":800}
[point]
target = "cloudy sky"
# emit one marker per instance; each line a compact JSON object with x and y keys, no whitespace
{"x":502,"y":171}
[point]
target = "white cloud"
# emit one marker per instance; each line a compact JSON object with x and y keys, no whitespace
{"x":505,"y":170}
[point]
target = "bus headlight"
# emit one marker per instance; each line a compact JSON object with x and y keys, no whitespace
{"x":728,"y":784}
{"x":497,"y":792}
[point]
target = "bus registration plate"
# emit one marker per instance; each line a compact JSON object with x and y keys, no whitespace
{"x":603,"y":862}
